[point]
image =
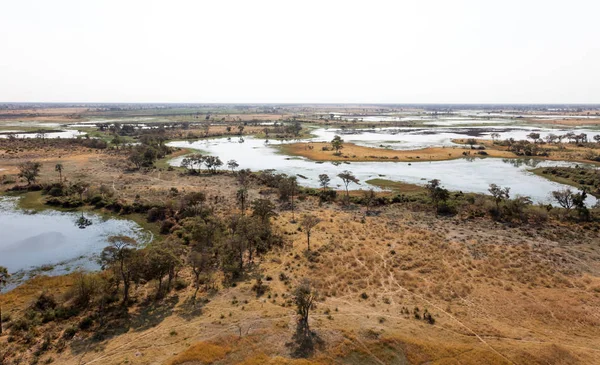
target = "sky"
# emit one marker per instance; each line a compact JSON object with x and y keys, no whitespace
{"x":325,"y":51}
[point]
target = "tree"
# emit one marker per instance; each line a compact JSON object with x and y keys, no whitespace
{"x":80,"y":188}
{"x":243,"y":177}
{"x":232,"y":165}
{"x":308,"y":223}
{"x":4,"y":275}
{"x":471,"y":142}
{"x":161,"y":260}
{"x":495,"y":136}
{"x":304,"y":298}
{"x":564,"y":198}
{"x":579,"y":203}
{"x":29,"y":171}
{"x":293,"y":185}
{"x":242,"y":198}
{"x":193,"y":161}
{"x":59,"y":168}
{"x":120,"y":255}
{"x":534,"y":136}
{"x":337,"y":144}
{"x":324,"y":181}
{"x":263,"y":209}
{"x":551,"y":138}
{"x":212,"y":163}
{"x":436,"y":192}
{"x":202,"y":264}
{"x":347,"y":177}
{"x":499,"y":194}
{"x":369,"y":199}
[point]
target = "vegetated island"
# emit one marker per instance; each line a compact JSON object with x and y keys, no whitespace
{"x":322,"y":151}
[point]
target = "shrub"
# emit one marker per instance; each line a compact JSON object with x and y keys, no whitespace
{"x":69,"y":332}
{"x":86,"y":323}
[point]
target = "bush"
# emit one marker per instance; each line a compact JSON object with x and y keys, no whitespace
{"x":86,"y":323}
{"x":156,"y":214}
{"x":69,"y":332}
{"x":446,"y":208}
{"x":180,"y":284}
{"x":56,"y":191}
{"x":167,"y":225}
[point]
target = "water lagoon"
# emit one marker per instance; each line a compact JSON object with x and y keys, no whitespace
{"x":51,"y":241}
{"x":468,"y":175}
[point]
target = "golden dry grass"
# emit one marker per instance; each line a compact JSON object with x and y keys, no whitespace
{"x":499,"y":295}
{"x":352,"y":152}
{"x":203,"y":352}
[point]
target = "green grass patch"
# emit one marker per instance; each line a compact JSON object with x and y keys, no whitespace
{"x":397,"y":186}
{"x":577,"y":177}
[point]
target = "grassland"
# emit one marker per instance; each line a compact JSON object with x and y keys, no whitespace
{"x":353,"y":152}
{"x":498,"y":293}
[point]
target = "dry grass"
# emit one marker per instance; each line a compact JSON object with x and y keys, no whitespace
{"x":203,"y":352}
{"x":352,"y":152}
{"x":498,"y":294}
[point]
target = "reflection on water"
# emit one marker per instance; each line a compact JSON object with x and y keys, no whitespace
{"x":474,"y":174}
{"x":518,"y":162}
{"x":51,"y":135}
{"x":52,"y":242}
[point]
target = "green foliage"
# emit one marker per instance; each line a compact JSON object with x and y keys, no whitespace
{"x":29,"y":171}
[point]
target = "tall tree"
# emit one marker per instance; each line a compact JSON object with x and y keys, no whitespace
{"x":202,"y":265}
{"x":264,"y":209}
{"x":59,"y":168}
{"x":242,"y":199}
{"x":348,"y":177}
{"x":305,"y":297}
{"x":308,"y":223}
{"x":120,"y":255}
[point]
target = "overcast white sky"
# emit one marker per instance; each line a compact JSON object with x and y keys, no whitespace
{"x":511,"y":51}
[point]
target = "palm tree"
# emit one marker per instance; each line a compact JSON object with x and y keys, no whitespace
{"x":59,"y":169}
